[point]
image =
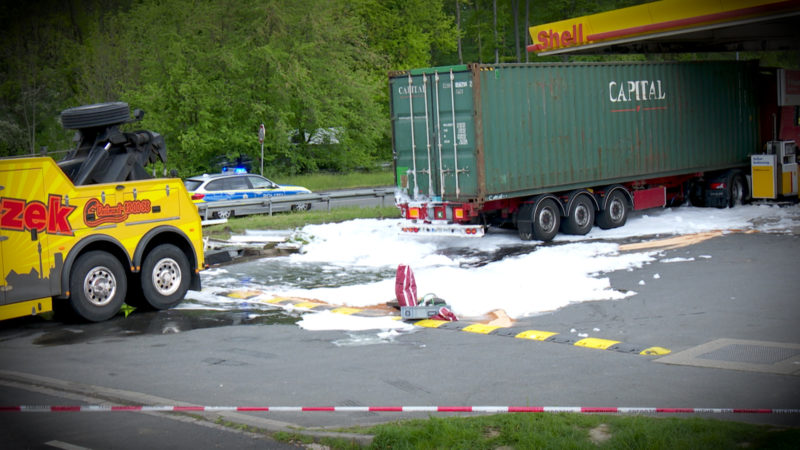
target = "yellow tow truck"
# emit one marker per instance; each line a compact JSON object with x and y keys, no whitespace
{"x":96,"y":229}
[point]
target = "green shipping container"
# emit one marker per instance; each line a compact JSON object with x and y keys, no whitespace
{"x":474,"y":133}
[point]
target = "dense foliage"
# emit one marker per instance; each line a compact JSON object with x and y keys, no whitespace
{"x":208,"y":73}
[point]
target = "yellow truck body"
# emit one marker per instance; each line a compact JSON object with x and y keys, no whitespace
{"x":59,"y":241}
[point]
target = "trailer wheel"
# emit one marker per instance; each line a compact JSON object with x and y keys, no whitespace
{"x":616,"y":212}
{"x":546,"y":220}
{"x":165,"y":276}
{"x":97,"y":284}
{"x":737,"y":190}
{"x":580,"y":218}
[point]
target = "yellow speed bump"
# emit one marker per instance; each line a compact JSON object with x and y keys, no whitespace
{"x":430,"y":323}
{"x":243,"y":294}
{"x":535,"y":335}
{"x":344,"y":310}
{"x":480,"y":328}
{"x":307,"y":305}
{"x":598,"y":343}
{"x":276,"y":300}
{"x":655,"y":351}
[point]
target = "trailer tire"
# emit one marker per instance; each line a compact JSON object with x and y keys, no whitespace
{"x":737,"y":190}
{"x":165,"y":276}
{"x":615,"y":213}
{"x":98,"y":285}
{"x":545,"y":220}
{"x":580,"y":217}
{"x":97,"y":115}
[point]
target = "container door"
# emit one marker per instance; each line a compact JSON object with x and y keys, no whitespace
{"x":434,"y":158}
{"x":454,"y":129}
{"x":412,"y":135}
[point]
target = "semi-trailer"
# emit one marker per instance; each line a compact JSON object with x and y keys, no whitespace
{"x":566,"y":146}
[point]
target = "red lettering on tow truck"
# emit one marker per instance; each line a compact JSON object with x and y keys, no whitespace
{"x":19,"y":215}
{"x":96,"y":213}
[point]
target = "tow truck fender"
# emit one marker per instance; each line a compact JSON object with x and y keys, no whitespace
{"x":185,"y":244}
{"x":104,"y":240}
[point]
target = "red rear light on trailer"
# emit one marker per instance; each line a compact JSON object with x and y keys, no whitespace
{"x":718,"y":186}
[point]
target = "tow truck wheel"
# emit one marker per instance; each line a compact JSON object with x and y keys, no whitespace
{"x":97,"y":285}
{"x":581,"y":216}
{"x":165,"y":276}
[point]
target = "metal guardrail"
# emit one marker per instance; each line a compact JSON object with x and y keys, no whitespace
{"x":268,"y":205}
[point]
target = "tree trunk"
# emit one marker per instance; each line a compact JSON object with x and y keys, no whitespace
{"x":515,"y":8}
{"x":458,"y":29}
{"x":527,"y":29}
{"x":480,"y":46}
{"x":496,"y":45}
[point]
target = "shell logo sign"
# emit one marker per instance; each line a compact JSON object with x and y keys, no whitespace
{"x":666,"y":16}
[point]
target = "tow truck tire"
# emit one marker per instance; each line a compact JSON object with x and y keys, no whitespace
{"x":165,"y":276}
{"x":98,"y":284}
{"x":616,"y":212}
{"x":580,"y":218}
{"x":546,"y":220}
{"x":97,"y":115}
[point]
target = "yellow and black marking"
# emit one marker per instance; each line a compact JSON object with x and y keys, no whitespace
{"x":469,"y":327}
{"x":544,"y":336}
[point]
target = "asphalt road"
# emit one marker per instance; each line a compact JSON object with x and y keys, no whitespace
{"x":738,"y":286}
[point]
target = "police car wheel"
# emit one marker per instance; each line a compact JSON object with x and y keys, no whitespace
{"x":223,"y":214}
{"x":301,"y":207}
{"x":165,"y":276}
{"x":97,"y":285}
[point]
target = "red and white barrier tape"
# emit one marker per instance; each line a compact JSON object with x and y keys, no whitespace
{"x":462,"y":409}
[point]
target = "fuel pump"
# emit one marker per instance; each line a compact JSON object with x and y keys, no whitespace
{"x":774,"y":173}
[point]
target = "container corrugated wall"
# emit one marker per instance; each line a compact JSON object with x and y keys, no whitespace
{"x":534,"y":128}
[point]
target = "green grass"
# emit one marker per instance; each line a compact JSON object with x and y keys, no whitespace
{"x":328,"y":182}
{"x":575,"y":431}
{"x":292,"y":220}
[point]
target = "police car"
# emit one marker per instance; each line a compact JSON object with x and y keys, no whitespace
{"x":238,"y":185}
